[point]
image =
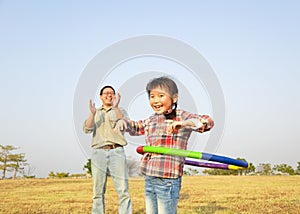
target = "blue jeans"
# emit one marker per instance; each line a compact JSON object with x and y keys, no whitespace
{"x":113,"y":160}
{"x":162,"y":195}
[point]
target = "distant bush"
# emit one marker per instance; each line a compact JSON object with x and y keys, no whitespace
{"x":58,"y":174}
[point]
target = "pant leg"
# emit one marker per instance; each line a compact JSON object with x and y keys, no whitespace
{"x":119,"y":172}
{"x":165,"y":192}
{"x":99,"y":160}
{"x":150,"y":196}
{"x":168,"y":191}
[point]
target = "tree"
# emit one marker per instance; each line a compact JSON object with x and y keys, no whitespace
{"x":88,"y":167}
{"x":18,"y":163}
{"x":298,"y":169}
{"x":284,"y":168}
{"x":242,"y":171}
{"x":220,"y":172}
{"x":6,"y":158}
{"x":251,"y":169}
{"x":58,"y":174}
{"x":51,"y":174}
{"x":264,"y":168}
{"x":245,"y":171}
{"x":62,"y":174}
{"x":191,"y":171}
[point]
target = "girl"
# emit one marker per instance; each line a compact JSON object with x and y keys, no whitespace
{"x":167,"y":127}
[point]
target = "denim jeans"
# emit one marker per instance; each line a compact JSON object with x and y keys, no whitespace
{"x":162,"y":195}
{"x":113,"y":160}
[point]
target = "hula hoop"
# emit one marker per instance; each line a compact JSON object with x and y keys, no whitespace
{"x":213,"y":165}
{"x":192,"y":154}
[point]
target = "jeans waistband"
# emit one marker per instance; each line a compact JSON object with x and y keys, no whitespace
{"x":109,"y":147}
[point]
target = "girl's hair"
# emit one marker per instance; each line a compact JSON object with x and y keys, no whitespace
{"x":170,"y":86}
{"x":164,"y":83}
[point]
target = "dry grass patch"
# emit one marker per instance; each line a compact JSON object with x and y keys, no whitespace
{"x":199,"y":194}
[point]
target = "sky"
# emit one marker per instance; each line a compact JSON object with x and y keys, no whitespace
{"x":253,"y":48}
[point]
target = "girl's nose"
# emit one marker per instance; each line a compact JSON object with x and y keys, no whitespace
{"x":156,"y":99}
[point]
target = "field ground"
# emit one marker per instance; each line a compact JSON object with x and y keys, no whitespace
{"x":199,"y":194}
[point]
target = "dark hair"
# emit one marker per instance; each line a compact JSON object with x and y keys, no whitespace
{"x":163,"y":83}
{"x":168,"y":84}
{"x":107,"y":86}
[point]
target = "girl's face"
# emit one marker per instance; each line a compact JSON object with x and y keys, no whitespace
{"x":160,"y":100}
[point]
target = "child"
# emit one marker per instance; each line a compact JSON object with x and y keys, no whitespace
{"x":167,"y":127}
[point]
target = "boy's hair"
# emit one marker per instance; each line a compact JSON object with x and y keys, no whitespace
{"x":107,"y":86}
{"x":163,"y":83}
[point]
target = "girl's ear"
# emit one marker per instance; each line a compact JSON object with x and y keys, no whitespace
{"x":175,"y":98}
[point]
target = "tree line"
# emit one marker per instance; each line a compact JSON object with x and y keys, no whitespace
{"x":261,"y":169}
{"x":15,"y":163}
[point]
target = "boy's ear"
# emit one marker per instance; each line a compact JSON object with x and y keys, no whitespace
{"x":175,"y":98}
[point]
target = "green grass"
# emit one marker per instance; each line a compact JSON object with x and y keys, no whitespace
{"x":199,"y":194}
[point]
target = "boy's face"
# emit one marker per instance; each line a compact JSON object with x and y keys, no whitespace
{"x":107,"y":97}
{"x":160,"y":100}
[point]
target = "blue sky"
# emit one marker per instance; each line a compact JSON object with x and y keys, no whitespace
{"x":252,"y":46}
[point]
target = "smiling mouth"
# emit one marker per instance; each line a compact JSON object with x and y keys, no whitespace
{"x":157,"y":107}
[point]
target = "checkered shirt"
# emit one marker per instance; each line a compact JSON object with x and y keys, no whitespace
{"x":155,"y":130}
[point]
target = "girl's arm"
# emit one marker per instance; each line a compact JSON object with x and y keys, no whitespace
{"x":200,"y":123}
{"x":132,"y":127}
{"x":207,"y":122}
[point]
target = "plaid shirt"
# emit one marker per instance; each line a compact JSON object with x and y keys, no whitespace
{"x":155,"y":130}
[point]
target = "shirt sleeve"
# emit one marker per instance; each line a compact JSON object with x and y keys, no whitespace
{"x":207,"y":122}
{"x":202,"y":123}
{"x":86,"y":129}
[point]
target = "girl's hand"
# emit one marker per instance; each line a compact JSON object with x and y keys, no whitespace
{"x":121,"y":126}
{"x":174,"y":127}
{"x":179,"y":124}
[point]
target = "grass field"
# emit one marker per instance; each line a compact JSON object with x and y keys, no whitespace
{"x":199,"y":194}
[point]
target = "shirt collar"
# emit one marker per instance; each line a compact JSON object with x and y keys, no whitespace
{"x":102,"y":108}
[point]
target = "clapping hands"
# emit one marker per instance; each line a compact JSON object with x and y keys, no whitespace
{"x":92,"y":107}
